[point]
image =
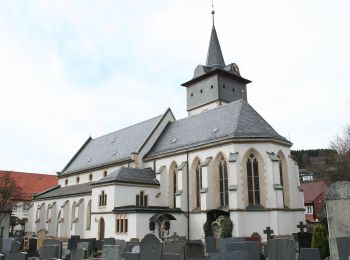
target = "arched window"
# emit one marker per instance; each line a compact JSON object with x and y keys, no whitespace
{"x":253,"y":180}
{"x":223,"y":179}
{"x":88,"y":215}
{"x":174,"y":186}
{"x":73,"y":214}
{"x":198,"y":185}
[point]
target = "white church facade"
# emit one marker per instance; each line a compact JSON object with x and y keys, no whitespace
{"x":165,"y":175}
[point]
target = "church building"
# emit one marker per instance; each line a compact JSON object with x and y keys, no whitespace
{"x":165,"y":175}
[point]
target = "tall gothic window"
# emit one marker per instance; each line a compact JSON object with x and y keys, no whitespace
{"x":253,"y":180}
{"x":223,"y":183}
{"x":174,"y":186}
{"x":281,"y":176}
{"x":88,"y":216}
{"x":198,"y":185}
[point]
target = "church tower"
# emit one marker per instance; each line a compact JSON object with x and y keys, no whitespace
{"x":214,"y":83}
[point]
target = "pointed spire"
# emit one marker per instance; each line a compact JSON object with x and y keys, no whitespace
{"x":214,"y":57}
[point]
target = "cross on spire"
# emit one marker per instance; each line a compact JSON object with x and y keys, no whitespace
{"x":213,"y":12}
{"x":301,"y":226}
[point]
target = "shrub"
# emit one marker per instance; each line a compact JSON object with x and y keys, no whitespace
{"x":320,"y":240}
{"x":227,"y":228}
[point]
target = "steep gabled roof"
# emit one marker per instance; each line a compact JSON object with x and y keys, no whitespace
{"x":312,"y":190}
{"x":234,"y":120}
{"x":131,"y":175}
{"x":112,"y":148}
{"x":30,"y":183}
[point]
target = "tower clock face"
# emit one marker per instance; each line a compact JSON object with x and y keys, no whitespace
{"x":234,"y":68}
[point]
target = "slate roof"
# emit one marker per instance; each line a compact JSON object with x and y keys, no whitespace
{"x":30,"y":183}
{"x":111,"y":148}
{"x":214,"y":57}
{"x":71,"y":190}
{"x":234,"y":120}
{"x":131,"y":175}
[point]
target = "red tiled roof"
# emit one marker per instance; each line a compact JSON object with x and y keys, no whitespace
{"x":312,"y":190}
{"x":30,"y":183}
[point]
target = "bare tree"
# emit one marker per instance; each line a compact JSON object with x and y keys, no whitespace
{"x":9,"y":191}
{"x":342,"y":161}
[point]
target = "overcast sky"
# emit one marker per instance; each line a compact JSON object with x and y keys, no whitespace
{"x":71,"y":69}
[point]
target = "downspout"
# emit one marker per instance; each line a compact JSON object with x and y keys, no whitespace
{"x":188,"y":200}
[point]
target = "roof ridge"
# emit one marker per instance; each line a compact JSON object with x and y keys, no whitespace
{"x":124,"y":128}
{"x":31,"y":173}
{"x":239,"y":116}
{"x":210,"y":110}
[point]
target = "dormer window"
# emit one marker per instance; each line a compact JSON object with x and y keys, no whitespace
{"x":90,"y":177}
{"x":141,"y":200}
{"x":102,"y":199}
{"x":78,"y":179}
{"x":66,"y":182}
{"x":104,"y":173}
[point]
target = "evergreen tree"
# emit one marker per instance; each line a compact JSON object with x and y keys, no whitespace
{"x":227,"y":228}
{"x":320,"y":240}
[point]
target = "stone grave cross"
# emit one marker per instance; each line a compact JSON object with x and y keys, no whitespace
{"x":268,"y":231}
{"x":301,"y":226}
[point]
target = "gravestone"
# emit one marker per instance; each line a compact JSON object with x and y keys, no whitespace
{"x":210,"y":244}
{"x":304,"y":239}
{"x":281,"y":249}
{"x":269,"y":233}
{"x":99,"y":245}
{"x":121,"y":244}
{"x":10,"y":246}
{"x":343,"y":244}
{"x":131,"y":256}
{"x":338,"y":211}
{"x":129,"y":245}
{"x":135,"y":250}
{"x":0,"y":244}
{"x":301,"y":226}
{"x":251,"y":247}
{"x":49,"y":251}
{"x":32,"y":243}
{"x":111,"y":252}
{"x":170,"y":256}
{"x":41,"y":237}
{"x":85,"y":245}
{"x":150,"y":248}
{"x":109,"y":241}
{"x":49,"y":242}
{"x":72,"y":242}
{"x":2,"y":257}
{"x":91,"y":248}
{"x":135,"y":239}
{"x":177,"y":247}
{"x":224,"y":241}
{"x":309,"y":254}
{"x":18,"y":256}
{"x":78,"y":254}
{"x":195,"y":249}
{"x":236,"y":255}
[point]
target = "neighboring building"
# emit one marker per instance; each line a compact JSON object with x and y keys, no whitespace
{"x":314,"y":200}
{"x":165,"y":175}
{"x":306,"y":176}
{"x":28,"y":184}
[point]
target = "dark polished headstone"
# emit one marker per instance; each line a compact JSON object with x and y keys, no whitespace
{"x":129,"y":245}
{"x":309,"y":254}
{"x":304,"y":240}
{"x":0,"y":244}
{"x":72,"y":242}
{"x":343,"y":245}
{"x":18,"y":256}
{"x":150,"y":248}
{"x":32,"y":243}
{"x":99,"y":244}
{"x":92,"y":245}
{"x":121,"y":243}
{"x":177,"y":247}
